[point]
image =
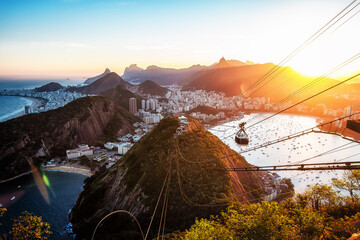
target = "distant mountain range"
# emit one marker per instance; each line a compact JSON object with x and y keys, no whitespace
{"x":110,"y":80}
{"x":93,"y":79}
{"x":229,"y":76}
{"x":151,"y":88}
{"x":50,"y":87}
{"x":162,"y":76}
{"x":167,"y":76}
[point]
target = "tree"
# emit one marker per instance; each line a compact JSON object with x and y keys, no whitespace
{"x":208,"y":229}
{"x":29,"y":226}
{"x":322,"y":195}
{"x":350,"y":182}
{"x":254,"y":221}
{"x":2,"y":212}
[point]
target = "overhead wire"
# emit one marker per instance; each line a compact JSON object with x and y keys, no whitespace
{"x":164,"y":207}
{"x":310,"y":84}
{"x":297,"y":134}
{"x":157,"y":203}
{"x":118,"y":211}
{"x":336,"y":149}
{"x":317,"y":80}
{"x":306,"y":99}
{"x":183,"y":195}
{"x":316,"y":35}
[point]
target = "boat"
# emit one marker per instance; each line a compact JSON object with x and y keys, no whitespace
{"x":241,"y":136}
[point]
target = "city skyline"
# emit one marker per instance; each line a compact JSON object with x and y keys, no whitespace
{"x":80,"y":38}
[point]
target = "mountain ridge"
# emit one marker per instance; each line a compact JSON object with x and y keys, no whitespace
{"x":30,"y":138}
{"x":135,"y":182}
{"x":93,"y":79}
{"x":110,"y":80}
{"x":50,"y":87}
{"x":151,"y":88}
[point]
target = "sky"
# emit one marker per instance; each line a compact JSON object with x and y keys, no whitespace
{"x":80,"y":38}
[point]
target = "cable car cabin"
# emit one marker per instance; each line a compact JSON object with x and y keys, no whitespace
{"x":241,"y":137}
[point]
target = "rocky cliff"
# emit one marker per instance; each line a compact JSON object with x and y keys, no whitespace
{"x":191,"y":165}
{"x":85,"y":120}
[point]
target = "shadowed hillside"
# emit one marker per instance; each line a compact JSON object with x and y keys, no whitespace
{"x":85,"y":120}
{"x":109,"y":81}
{"x":188,"y":162}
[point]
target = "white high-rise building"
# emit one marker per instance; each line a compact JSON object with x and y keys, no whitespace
{"x":153,"y":105}
{"x":132,"y":105}
{"x":143,"y":102}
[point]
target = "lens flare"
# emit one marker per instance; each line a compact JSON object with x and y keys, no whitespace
{"x":40,"y":183}
{"x":46,"y":180}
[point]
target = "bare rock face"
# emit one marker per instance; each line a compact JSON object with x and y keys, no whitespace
{"x":33,"y":136}
{"x":192,"y":167}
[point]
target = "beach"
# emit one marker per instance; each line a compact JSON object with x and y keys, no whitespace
{"x":63,"y":168}
{"x":70,"y":168}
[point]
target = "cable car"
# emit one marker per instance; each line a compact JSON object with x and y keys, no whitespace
{"x":241,"y":136}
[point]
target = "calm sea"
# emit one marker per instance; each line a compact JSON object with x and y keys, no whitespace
{"x":310,"y":148}
{"x":11,"y":105}
{"x":63,"y":190}
{"x":33,"y":83}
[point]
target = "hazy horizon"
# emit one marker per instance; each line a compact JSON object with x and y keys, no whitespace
{"x":80,"y":38}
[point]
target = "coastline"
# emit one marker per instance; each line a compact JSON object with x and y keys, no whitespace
{"x":70,"y":168}
{"x":64,"y":168}
{"x":35,"y":103}
{"x":17,"y":176}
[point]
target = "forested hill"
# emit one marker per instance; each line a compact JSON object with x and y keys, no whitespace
{"x":188,"y":164}
{"x":85,"y":120}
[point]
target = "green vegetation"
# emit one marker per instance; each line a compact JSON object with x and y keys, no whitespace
{"x":50,"y":87}
{"x":149,"y":87}
{"x":92,"y":164}
{"x":121,"y":96}
{"x":195,"y":161}
{"x":88,"y":120}
{"x":318,"y":213}
{"x":27,"y":226}
{"x":205,"y":110}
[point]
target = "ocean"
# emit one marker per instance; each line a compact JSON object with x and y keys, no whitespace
{"x":11,"y":105}
{"x":33,"y":83}
{"x":309,"y":148}
{"x":63,"y":190}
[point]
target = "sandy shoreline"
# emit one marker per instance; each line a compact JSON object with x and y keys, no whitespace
{"x":35,"y":103}
{"x":67,"y":168}
{"x":63,"y":168}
